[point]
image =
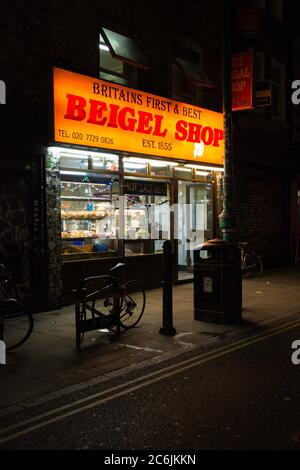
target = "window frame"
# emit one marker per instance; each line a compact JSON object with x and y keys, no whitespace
{"x":129,"y":74}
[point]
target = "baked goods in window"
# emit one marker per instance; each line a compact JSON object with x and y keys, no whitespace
{"x":83,"y":215}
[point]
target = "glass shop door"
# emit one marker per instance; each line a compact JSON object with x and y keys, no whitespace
{"x":194,"y":223}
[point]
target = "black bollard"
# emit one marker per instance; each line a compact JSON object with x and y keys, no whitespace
{"x":167,"y":328}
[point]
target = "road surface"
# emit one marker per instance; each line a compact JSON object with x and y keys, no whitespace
{"x":239,"y":394}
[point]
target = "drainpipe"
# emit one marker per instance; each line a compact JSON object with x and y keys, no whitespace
{"x":227,"y":219}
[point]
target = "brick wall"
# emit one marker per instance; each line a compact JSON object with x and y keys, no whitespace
{"x":263,"y":209}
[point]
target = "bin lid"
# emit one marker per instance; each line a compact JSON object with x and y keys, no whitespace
{"x":216,"y":243}
{"x":219,"y":247}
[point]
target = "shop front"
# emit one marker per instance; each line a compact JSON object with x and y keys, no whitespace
{"x":127,"y":170}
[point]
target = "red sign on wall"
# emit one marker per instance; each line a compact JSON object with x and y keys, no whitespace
{"x":242,"y":81}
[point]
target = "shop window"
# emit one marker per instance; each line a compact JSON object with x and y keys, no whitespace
{"x":188,"y":75}
{"x":85,"y":160}
{"x":105,"y":162}
{"x":278,"y":90}
{"x":182,"y":89}
{"x":161,"y":168}
{"x":146,"y":216}
{"x":119,"y":56}
{"x":89,"y":201}
{"x":135,"y":165}
{"x":183,"y":172}
{"x":191,"y":171}
{"x":76,"y":161}
{"x":146,"y":166}
{"x":201,"y":174}
{"x":194,"y":73}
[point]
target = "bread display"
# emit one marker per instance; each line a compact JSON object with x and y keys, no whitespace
{"x":87,"y":212}
{"x":83,"y":214}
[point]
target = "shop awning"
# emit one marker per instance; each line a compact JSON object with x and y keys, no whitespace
{"x":195,"y":73}
{"x":124,"y":48}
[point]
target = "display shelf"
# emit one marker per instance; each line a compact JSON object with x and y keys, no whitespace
{"x":79,"y":238}
{"x":88,"y":218}
{"x":83,"y":219}
{"x":84,"y":256}
{"x":83,"y":215}
{"x":85,"y":198}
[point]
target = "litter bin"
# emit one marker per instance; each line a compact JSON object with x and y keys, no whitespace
{"x":217,"y":282}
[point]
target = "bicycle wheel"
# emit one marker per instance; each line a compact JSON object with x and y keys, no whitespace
{"x":17,"y":323}
{"x":132,"y":304}
{"x":252,"y":264}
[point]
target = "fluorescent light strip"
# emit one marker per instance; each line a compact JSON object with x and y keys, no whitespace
{"x":205,"y":167}
{"x":159,"y":163}
{"x":183,"y":169}
{"x":196,"y":167}
{"x":134,"y":160}
{"x":82,"y":157}
{"x":78,"y":173}
{"x":202,"y":173}
{"x":135,"y":166}
{"x":80,"y":182}
{"x":74,"y":152}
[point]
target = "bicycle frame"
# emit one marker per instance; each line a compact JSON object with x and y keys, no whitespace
{"x":12,"y":309}
{"x":97,"y":320}
{"x":252,"y":256}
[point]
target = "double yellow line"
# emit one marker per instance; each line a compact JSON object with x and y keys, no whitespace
{"x":58,"y":414}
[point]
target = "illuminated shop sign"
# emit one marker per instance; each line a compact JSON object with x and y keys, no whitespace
{"x":145,"y":187}
{"x":242,"y":81}
{"x":97,"y":113}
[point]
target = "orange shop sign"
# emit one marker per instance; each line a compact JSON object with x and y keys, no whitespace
{"x":242,"y":81}
{"x":98,"y":113}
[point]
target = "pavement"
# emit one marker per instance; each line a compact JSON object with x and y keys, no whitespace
{"x":49,"y":366}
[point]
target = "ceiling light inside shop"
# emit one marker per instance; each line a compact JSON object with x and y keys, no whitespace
{"x":135,"y":160}
{"x":159,"y":163}
{"x":74,"y":155}
{"x":183,"y":169}
{"x":135,"y":166}
{"x":103,"y":155}
{"x":80,"y":153}
{"x":202,"y":173}
{"x":196,"y":167}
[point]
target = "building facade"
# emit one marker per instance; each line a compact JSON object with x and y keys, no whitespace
{"x":60,"y":198}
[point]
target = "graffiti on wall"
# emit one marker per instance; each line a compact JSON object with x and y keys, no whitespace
{"x":54,"y":230}
{"x":15,"y":223}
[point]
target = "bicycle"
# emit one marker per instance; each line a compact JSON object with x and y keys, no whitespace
{"x":16,"y":321}
{"x":251,"y":262}
{"x":112,"y":304}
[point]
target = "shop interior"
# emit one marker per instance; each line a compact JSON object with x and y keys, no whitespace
{"x":118,"y":205}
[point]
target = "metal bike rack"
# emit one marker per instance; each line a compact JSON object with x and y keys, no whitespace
{"x":87,"y":315}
